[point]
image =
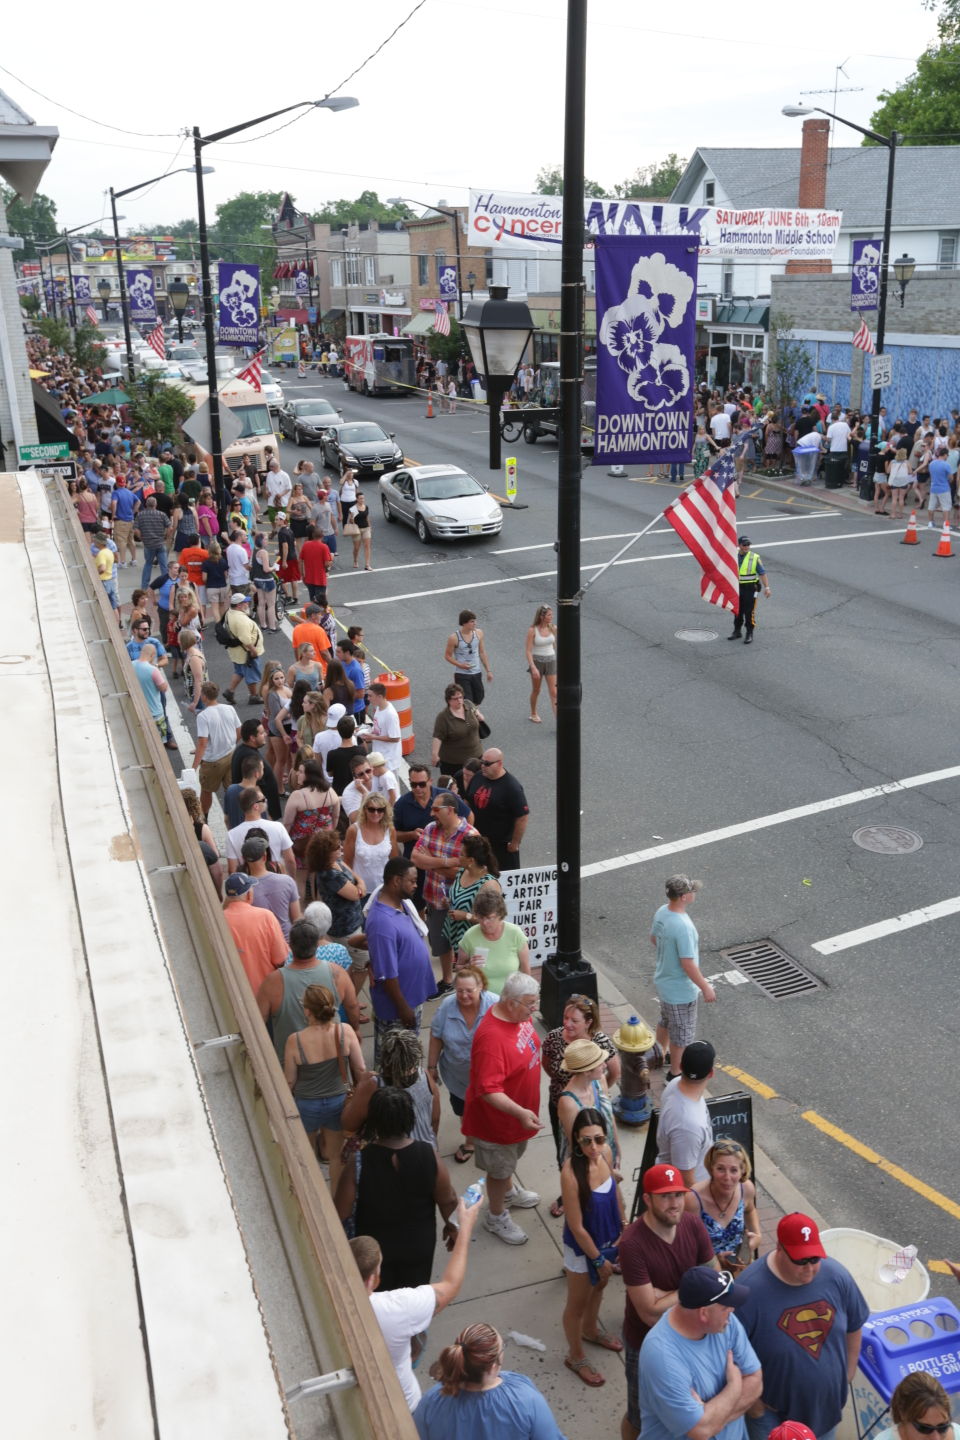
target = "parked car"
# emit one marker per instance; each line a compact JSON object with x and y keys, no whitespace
{"x":441,"y":502}
{"x":270,"y":390}
{"x":363,"y":445}
{"x":303,"y":420}
{"x":192,"y":361}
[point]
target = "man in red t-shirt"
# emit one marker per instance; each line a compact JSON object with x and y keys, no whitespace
{"x":315,"y":557}
{"x":503,"y":1100}
{"x":654,"y":1252}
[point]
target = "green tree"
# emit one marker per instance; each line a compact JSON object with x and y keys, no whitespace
{"x":549,"y":181}
{"x":655,"y":181}
{"x":367,"y":206}
{"x":30,"y":303}
{"x":56,"y":331}
{"x":156,"y":408}
{"x":36,"y":221}
{"x":791,"y":365}
{"x":86,"y":348}
{"x":446,"y":347}
{"x":924,"y":108}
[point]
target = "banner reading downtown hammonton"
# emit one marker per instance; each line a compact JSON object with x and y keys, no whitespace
{"x":865,"y":274}
{"x":143,"y":305}
{"x":503,"y":217}
{"x":646,"y":335}
{"x":239,"y":287}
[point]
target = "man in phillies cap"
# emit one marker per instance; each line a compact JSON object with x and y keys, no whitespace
{"x":655,"y":1251}
{"x":804,"y":1318}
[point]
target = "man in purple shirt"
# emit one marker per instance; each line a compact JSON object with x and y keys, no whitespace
{"x":401,"y":976}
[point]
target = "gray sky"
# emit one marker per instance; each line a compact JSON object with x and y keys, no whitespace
{"x":466,"y":94}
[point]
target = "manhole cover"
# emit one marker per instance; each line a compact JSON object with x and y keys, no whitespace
{"x":696,"y":637}
{"x":777,"y":975}
{"x":887,"y":839}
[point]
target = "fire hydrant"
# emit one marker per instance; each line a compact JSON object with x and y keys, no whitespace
{"x":635,"y":1045}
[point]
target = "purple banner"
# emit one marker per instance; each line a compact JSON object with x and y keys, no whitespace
{"x":865,"y":274}
{"x":81,"y":287}
{"x":447,"y":280}
{"x":301,"y":283}
{"x":140,"y":296}
{"x":646,"y":317}
{"x":239,"y":287}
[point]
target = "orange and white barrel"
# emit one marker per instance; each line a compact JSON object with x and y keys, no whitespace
{"x":398,"y":693}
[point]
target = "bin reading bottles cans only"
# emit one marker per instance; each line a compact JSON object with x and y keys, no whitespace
{"x":915,"y":1337}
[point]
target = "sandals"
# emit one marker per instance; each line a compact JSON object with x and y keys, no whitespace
{"x":462,"y":1154}
{"x":586,"y":1372}
{"x":605,"y":1341}
{"x":556,"y":1209}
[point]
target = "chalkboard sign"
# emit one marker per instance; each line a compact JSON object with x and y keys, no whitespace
{"x":730,"y":1115}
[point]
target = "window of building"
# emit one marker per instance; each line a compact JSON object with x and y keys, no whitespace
{"x":947,"y":252}
{"x":736,"y":338}
{"x":720,"y":338}
{"x":336,"y":272}
{"x":369,"y":269}
{"x":726,"y":282}
{"x":591,"y":278}
{"x":709,"y":191}
{"x":488,"y":270}
{"x":353,"y":267}
{"x":423,"y":269}
{"x":439,"y":260}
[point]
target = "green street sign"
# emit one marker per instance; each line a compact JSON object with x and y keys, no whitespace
{"x":37,"y":454}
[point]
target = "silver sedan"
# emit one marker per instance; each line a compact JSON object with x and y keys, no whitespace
{"x":441,"y":502}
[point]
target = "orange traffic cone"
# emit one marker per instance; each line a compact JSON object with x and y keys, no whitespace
{"x":943,"y":550}
{"x":911,"y":537}
{"x":429,"y":414}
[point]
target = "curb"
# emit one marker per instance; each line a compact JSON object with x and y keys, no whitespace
{"x":838,"y":498}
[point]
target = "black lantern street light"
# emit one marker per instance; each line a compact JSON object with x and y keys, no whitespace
{"x":332,"y":102}
{"x":903,"y":268}
{"x":105,"y":290}
{"x":498,"y":331}
{"x":178,"y":292}
{"x":891,"y":142}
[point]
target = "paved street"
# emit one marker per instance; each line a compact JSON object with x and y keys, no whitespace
{"x":690,"y":743}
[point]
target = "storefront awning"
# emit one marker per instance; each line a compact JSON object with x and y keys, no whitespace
{"x":421,"y":324}
{"x":329,"y":316}
{"x":50,"y":426}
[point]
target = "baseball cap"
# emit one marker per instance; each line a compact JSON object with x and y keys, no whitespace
{"x":800,"y":1236}
{"x":792,"y":1430}
{"x":239,"y":599}
{"x":702,"y":1285}
{"x":678,"y":885}
{"x":663,"y":1180}
{"x":334,"y":715}
{"x":697,"y":1061}
{"x":311,"y":609}
{"x":743,"y":539}
{"x":238,"y":884}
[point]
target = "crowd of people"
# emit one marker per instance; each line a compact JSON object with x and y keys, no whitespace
{"x":337,"y":880}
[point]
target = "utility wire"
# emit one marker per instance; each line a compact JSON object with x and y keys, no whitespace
{"x":121,"y":129}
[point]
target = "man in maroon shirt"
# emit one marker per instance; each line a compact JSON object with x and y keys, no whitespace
{"x":315,"y":559}
{"x":654,"y":1252}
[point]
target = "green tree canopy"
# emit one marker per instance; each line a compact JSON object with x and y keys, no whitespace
{"x":238,"y":227}
{"x":549,"y":181}
{"x":36,"y":221}
{"x":924,"y":108}
{"x":446,"y":347}
{"x":367,"y":206}
{"x":156,"y":408}
{"x":653,"y":182}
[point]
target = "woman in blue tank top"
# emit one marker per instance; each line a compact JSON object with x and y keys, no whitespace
{"x":727,"y":1204}
{"x":593,"y":1224}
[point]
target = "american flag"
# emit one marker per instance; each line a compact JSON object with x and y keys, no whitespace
{"x":252,"y":372}
{"x":863,"y":340}
{"x":91,"y":315}
{"x":705,"y":518}
{"x":156,"y":340}
{"x":441,"y":320}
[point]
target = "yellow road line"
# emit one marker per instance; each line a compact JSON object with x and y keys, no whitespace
{"x":751,"y":1082}
{"x":941,"y":1266}
{"x":753,"y":494}
{"x":919,"y":1187}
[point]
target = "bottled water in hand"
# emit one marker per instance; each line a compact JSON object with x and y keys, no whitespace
{"x":474,"y":1193}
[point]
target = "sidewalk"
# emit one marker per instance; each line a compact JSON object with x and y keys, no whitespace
{"x":522,"y":1287}
{"x":844,"y":499}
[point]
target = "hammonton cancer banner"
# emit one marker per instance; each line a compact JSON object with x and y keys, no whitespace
{"x":500,"y":217}
{"x":646,"y":335}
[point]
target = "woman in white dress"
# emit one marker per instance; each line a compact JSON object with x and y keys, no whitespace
{"x":371,"y":841}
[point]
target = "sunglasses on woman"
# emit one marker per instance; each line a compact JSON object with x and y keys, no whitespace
{"x":941,"y":1429}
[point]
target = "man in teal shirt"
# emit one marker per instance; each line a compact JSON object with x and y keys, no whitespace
{"x":677,"y":977}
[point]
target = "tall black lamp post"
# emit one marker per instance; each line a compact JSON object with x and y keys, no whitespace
{"x":178,"y":292}
{"x":333,"y":102}
{"x":498,"y":331}
{"x":891,"y":141}
{"x":104,"y":290}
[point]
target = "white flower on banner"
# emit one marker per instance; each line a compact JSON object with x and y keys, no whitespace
{"x":657,"y":373}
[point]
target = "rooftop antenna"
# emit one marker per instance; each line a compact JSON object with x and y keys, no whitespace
{"x":838,"y":89}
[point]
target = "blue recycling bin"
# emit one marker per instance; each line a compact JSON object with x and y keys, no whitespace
{"x":925,"y":1336}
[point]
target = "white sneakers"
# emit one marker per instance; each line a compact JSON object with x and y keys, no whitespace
{"x":521,"y":1199}
{"x":505,"y":1228}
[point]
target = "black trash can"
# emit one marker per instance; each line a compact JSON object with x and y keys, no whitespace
{"x":836,"y":468}
{"x":556,"y":987}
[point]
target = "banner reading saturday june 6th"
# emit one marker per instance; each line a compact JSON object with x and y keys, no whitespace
{"x":646,"y":336}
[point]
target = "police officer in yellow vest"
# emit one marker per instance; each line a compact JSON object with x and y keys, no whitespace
{"x":752,"y":576}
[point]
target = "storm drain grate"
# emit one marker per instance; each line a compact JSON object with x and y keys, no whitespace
{"x":772,"y":969}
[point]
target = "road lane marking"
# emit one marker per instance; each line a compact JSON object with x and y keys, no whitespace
{"x":896,"y":1172}
{"x":634,"y":560}
{"x":751,"y":1082}
{"x":907,"y":921}
{"x":766,"y":822}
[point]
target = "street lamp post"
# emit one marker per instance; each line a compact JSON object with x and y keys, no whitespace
{"x":335,"y":102}
{"x":178,"y":292}
{"x":72,"y":302}
{"x":498,"y":331}
{"x":115,"y":195}
{"x":451,"y":215}
{"x":891,"y":141}
{"x":105,"y":290}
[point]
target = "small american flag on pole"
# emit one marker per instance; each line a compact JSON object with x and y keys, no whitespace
{"x":156,"y":341}
{"x":441,"y":320}
{"x":91,"y":315}
{"x":251,"y":373}
{"x":863,"y":340}
{"x":705,"y":518}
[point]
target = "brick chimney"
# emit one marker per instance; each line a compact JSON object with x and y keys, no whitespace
{"x":812,"y":194}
